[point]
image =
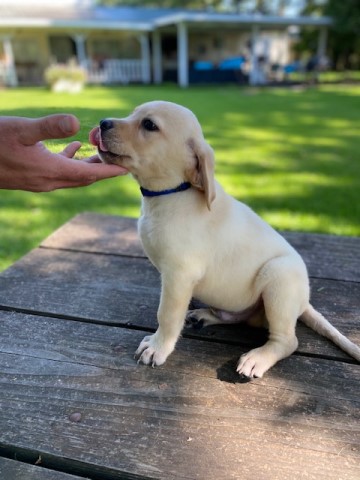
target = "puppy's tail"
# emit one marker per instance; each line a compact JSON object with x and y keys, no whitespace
{"x":313,"y":319}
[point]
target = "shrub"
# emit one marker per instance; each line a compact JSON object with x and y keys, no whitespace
{"x":65,"y":77}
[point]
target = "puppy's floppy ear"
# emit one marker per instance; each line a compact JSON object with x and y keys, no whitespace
{"x":201,"y":172}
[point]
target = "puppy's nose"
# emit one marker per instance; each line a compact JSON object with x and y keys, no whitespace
{"x":106,"y":124}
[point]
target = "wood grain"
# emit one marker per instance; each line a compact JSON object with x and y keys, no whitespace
{"x":118,"y":290}
{"x":73,"y":312}
{"x":91,"y":232}
{"x":188,"y":419}
{"x":326,"y":256}
{"x":14,"y":470}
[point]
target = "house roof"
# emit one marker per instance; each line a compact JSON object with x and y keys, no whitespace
{"x":135,"y":18}
{"x":242,"y":19}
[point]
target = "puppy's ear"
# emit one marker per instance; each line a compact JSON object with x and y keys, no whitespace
{"x":201,"y":173}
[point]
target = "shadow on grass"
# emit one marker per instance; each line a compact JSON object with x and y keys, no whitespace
{"x":291,"y":156}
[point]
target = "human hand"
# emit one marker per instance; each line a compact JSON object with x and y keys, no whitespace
{"x":26,"y":164}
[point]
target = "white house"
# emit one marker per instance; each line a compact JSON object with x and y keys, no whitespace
{"x":129,"y":44}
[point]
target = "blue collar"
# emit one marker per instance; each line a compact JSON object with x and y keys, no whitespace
{"x":150,"y":193}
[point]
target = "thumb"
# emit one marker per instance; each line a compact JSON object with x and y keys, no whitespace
{"x":50,"y":127}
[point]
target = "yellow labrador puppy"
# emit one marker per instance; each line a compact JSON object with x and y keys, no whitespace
{"x":205,"y":243}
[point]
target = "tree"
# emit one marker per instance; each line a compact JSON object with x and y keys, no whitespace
{"x":239,"y":6}
{"x":273,"y":7}
{"x":191,"y":4}
{"x":344,"y":41}
{"x":344,"y":38}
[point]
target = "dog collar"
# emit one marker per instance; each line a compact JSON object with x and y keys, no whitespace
{"x":151,"y":193}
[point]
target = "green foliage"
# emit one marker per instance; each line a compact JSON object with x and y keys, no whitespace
{"x":260,"y":6}
{"x":196,"y":4}
{"x":345,"y":14}
{"x":344,"y":40}
{"x":292,"y":155}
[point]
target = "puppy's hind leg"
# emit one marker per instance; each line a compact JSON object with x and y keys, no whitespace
{"x":203,"y":317}
{"x":285,"y":297}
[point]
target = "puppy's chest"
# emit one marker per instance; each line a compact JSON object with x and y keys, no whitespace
{"x":154,"y":238}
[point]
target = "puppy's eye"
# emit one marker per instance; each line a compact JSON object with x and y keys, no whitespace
{"x":149,"y":125}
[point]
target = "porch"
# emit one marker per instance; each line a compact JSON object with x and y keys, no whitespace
{"x":123,"y":45}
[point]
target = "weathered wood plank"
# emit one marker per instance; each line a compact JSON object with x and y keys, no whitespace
{"x":125,"y":291}
{"x":100,"y":288}
{"x":185,"y":420}
{"x":96,"y":233}
{"x":12,"y":470}
{"x":327,"y":256}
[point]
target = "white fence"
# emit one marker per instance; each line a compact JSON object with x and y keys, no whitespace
{"x":116,"y":71}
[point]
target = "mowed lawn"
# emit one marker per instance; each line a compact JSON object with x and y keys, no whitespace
{"x":292,"y":155}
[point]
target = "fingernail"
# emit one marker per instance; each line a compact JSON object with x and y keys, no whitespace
{"x":66,"y":125}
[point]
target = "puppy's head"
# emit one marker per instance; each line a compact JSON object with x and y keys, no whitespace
{"x":161,"y":144}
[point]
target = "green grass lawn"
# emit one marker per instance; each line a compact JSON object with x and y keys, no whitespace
{"x":292,"y":155}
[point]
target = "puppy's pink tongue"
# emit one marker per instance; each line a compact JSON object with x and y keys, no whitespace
{"x":95,"y":139}
{"x":94,"y":136}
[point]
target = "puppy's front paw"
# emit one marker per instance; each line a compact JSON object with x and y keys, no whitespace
{"x":253,"y":364}
{"x":152,"y":352}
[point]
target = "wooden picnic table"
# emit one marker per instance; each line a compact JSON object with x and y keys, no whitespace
{"x":75,"y":404}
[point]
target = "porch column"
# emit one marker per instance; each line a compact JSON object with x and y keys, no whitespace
{"x":157,"y":57}
{"x":80,"y":49}
{"x":183,"y":55}
{"x":145,"y":57}
{"x":10,"y":69}
{"x":254,"y":66}
{"x":321,"y":47}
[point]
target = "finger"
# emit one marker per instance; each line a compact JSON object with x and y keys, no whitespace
{"x":93,"y":159}
{"x":70,"y":150}
{"x":32,"y":131}
{"x":80,"y":172}
{"x":101,"y":171}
